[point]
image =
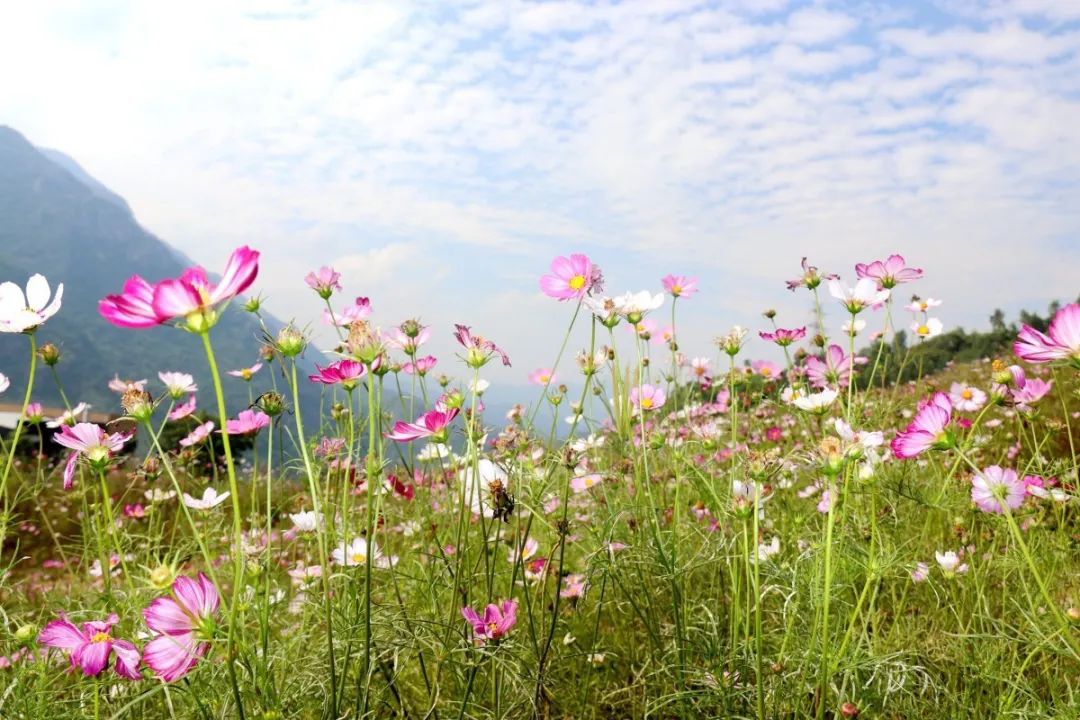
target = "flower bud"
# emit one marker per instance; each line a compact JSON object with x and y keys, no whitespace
{"x":271,"y":403}
{"x":138,"y":404}
{"x":49,"y":354}
{"x":253,"y":304}
{"x":290,"y":342}
{"x":26,"y":633}
{"x":162,"y":577}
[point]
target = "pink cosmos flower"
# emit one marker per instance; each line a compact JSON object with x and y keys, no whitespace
{"x":573,"y":586}
{"x":665,"y":336}
{"x":766,"y":369}
{"x":122,"y":386}
{"x":581,"y":483}
{"x":543,"y":376}
{"x":928,"y":429}
{"x":143,"y":305}
{"x":420,"y":366}
{"x":183,"y":410}
{"x":248,"y":422}
{"x":198,"y":434}
{"x":647,"y":397}
{"x":91,"y":647}
{"x":34,"y":414}
{"x":679,"y":285}
{"x":700,"y":366}
{"x":966,"y":398}
{"x":833,"y":371}
{"x":810,"y":278}
{"x":346,"y":373}
{"x":433,"y":424}
{"x":246,"y":374}
{"x":571,"y":279}
{"x":994,"y":486}
{"x":324,"y":281}
{"x":479,"y":350}
{"x":357,"y":311}
{"x":1060,"y":342}
{"x":410,"y":344}
{"x":783,"y":337}
{"x":90,"y":441}
{"x":1030,"y":392}
{"x":888,"y":273}
{"x":184,"y":623}
{"x":496,"y":622}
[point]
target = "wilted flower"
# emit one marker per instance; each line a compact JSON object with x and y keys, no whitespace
{"x":810,"y":278}
{"x":478,"y":349}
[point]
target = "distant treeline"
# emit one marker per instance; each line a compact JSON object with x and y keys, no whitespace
{"x":956,"y":345}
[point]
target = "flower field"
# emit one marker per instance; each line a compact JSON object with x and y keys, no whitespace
{"x":725,"y":535}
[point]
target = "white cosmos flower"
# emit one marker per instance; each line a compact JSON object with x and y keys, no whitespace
{"x":356,"y":553}
{"x":159,"y":495}
{"x":816,"y":402}
{"x":305,"y":521}
{"x":917,"y":306}
{"x":432,"y":451}
{"x":210,"y":499}
{"x":855,"y":299}
{"x":19,"y":312}
{"x":604,"y":308}
{"x":637,"y":304}
{"x":479,"y":386}
{"x":767,"y":550}
{"x":477,"y":491}
{"x":950,"y":563}
{"x":924,"y":330}
{"x":4,"y":382}
{"x":69,"y":417}
{"x":858,"y":326}
{"x":178,"y":384}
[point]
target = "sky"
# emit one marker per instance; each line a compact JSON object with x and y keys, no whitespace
{"x":439,"y":154}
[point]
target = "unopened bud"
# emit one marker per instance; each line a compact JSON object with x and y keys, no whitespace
{"x":49,"y":354}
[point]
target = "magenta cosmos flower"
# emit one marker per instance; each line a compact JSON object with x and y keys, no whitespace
{"x":679,"y":285}
{"x":142,"y":305}
{"x":478,"y":349}
{"x":344,"y":372}
{"x":833,"y":371}
{"x":888,"y":273}
{"x":90,"y":441}
{"x":1060,"y":342}
{"x":433,"y":424}
{"x":185,"y":625}
{"x":324,"y":281}
{"x":783,"y":337}
{"x":928,"y":430}
{"x":248,"y":422}
{"x":571,"y":277}
{"x":91,"y":647}
{"x":647,"y":397}
{"x":496,"y":622}
{"x":994,"y":486}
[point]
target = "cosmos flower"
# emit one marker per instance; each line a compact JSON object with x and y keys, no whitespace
{"x":410,"y":342}
{"x":324,"y":281}
{"x":811,"y":277}
{"x":950,"y":564}
{"x":122,"y":386}
{"x":479,"y":350}
{"x":856,"y":299}
{"x":783,"y":337}
{"x":246,"y":374}
{"x":433,"y":424}
{"x":356,"y":552}
{"x":966,"y":398}
{"x":1030,"y":392}
{"x":817,"y":403}
{"x":647,"y":397}
{"x":4,"y":383}
{"x":634,"y":306}
{"x":183,"y":410}
{"x":888,"y":273}
{"x":573,"y":586}
{"x":571,"y":277}
{"x":931,"y":327}
{"x":21,"y":313}
{"x":767,"y":369}
{"x":210,"y":499}
{"x":920,"y":573}
{"x":922,"y":305}
{"x":198,"y":434}
{"x":248,"y":422}
{"x":496,"y":622}
{"x":420,"y":366}
{"x":346,"y":373}
{"x":90,"y":648}
{"x":1060,"y":342}
{"x":178,"y":384}
{"x":359,"y":310}
{"x":543,"y":376}
{"x":185,"y":624}
{"x":305,"y":521}
{"x":191,"y":296}
{"x":679,"y":285}
{"x":89,"y":441}
{"x":994,"y":486}
{"x":699,"y":366}
{"x":928,"y":430}
{"x":833,"y":371}
{"x":581,"y":483}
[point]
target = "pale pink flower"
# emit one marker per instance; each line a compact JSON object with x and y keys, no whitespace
{"x":888,"y":273}
{"x":324,"y":281}
{"x":89,"y":441}
{"x":1061,"y":342}
{"x":184,"y":623}
{"x":571,"y":277}
{"x":994,"y":486}
{"x":810,"y":278}
{"x":122,"y":386}
{"x":178,"y":384}
{"x":767,"y":369}
{"x":573,"y":586}
{"x":183,"y":410}
{"x":420,"y":366}
{"x":923,"y":305}
{"x":864,"y":294}
{"x":647,"y":397}
{"x":248,"y":422}
{"x":198,"y":434}
{"x":581,"y":483}
{"x":966,"y":398}
{"x":246,"y":374}
{"x":543,"y":376}
{"x":920,"y":573}
{"x":357,"y":311}
{"x":833,"y":371}
{"x":679,"y":285}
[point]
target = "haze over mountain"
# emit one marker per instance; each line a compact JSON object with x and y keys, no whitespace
{"x":57,"y":220}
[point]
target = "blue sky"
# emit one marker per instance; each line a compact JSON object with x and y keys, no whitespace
{"x":440,"y":154}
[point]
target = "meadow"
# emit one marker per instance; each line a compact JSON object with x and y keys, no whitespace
{"x":685,"y":537}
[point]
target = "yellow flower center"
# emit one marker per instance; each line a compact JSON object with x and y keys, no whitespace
{"x":766,"y":371}
{"x":99,"y":637}
{"x":577,"y":282}
{"x":246,"y":373}
{"x":923,"y":330}
{"x":358,"y":558}
{"x":676,"y":289}
{"x":545,"y":378}
{"x":646,"y":403}
{"x":966,"y":394}
{"x":492,"y":628}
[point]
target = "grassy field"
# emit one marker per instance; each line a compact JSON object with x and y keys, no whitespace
{"x":716,"y":537}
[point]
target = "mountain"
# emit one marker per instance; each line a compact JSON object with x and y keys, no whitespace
{"x":55,"y":219}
